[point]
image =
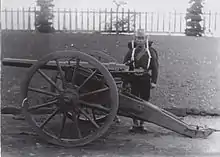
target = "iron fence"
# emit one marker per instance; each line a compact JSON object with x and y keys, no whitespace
{"x":107,"y":20}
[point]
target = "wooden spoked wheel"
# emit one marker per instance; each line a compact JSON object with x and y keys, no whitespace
{"x":55,"y":115}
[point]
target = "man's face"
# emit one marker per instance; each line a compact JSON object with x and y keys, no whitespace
{"x":140,"y":40}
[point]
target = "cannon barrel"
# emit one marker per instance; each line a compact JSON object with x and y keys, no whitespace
{"x":116,"y":69}
{"x":27,"y":63}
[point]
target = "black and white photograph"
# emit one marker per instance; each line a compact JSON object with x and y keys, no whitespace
{"x":110,"y":78}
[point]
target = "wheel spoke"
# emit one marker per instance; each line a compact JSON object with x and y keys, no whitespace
{"x":49,"y":118}
{"x":74,"y":118}
{"x":94,"y":92}
{"x":94,"y":106}
{"x":75,"y":71}
{"x":93,"y":114}
{"x":77,"y":126}
{"x":89,"y":118}
{"x":60,"y":71}
{"x":62,"y":124}
{"x":43,"y":91}
{"x":87,"y":80}
{"x":49,"y":80}
{"x":42,"y":105}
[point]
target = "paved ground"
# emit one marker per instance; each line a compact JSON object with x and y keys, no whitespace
{"x":19,"y":141}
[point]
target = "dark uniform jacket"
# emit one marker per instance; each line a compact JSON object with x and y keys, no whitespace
{"x":143,"y":60}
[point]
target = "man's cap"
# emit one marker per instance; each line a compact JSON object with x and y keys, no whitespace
{"x":139,"y":32}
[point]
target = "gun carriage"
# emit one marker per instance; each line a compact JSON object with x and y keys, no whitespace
{"x":80,"y":95}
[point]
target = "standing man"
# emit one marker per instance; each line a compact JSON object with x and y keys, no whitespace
{"x":142,"y":56}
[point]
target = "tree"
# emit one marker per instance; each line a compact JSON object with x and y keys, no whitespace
{"x":194,"y":18}
{"x":125,"y":25}
{"x":44,"y":16}
{"x":120,"y":25}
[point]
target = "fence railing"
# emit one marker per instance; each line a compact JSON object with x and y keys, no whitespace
{"x":107,"y":20}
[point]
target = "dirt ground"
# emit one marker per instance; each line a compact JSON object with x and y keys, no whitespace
{"x":18,"y":140}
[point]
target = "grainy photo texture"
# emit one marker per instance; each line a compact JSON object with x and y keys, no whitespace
{"x":110,"y":78}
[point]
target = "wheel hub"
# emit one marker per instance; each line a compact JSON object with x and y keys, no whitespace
{"x":69,"y":99}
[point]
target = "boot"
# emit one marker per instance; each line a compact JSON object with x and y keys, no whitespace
{"x":117,"y":120}
{"x":138,"y":127}
{"x":135,"y":126}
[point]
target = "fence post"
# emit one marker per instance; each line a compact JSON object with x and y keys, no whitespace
{"x":146,"y":21}
{"x":23,"y":13}
{"x":134,"y":20}
{"x":76,"y":20}
{"x":163,"y":22}
{"x":210,"y":21}
{"x":29,"y":19}
{"x":52,"y":10}
{"x":139,"y":20}
{"x":58,"y":14}
{"x":215,"y":27}
{"x":117,"y":21}
{"x":35,"y":17}
{"x":204,"y":22}
{"x":123,"y":21}
{"x":174,"y":21}
{"x":169,"y":21}
{"x":81,"y":20}
{"x":128,"y":21}
{"x":93,"y":20}
{"x":87,"y":19}
{"x":18,"y":27}
{"x":64,"y":19}
{"x":105,"y":19}
{"x":0,"y":18}
{"x":158,"y":21}
{"x":100,"y":13}
{"x":6,"y":19}
{"x":152,"y":20}
{"x":70,"y":18}
{"x":12,"y":19}
{"x":181,"y":22}
{"x":111,"y":20}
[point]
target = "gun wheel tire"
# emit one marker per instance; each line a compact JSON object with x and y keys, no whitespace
{"x":61,"y":126}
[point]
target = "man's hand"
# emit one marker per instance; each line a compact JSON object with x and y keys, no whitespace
{"x":128,"y":63}
{"x":139,"y":72}
{"x":126,"y":87}
{"x":153,"y":85}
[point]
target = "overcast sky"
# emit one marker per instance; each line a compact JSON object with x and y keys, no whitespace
{"x":138,"y":5}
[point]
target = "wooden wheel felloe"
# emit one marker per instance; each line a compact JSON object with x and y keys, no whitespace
{"x":89,"y":86}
